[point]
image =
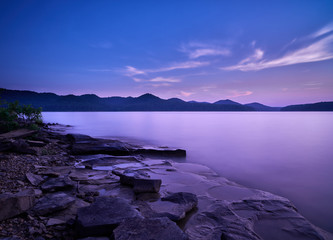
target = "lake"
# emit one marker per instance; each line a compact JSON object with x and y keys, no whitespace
{"x":286,"y":153}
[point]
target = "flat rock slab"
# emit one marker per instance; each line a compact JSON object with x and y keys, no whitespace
{"x":55,"y":171}
{"x":109,"y":161}
{"x":163,"y":152}
{"x":139,"y":180}
{"x":103,"y":215}
{"x":100,"y":146}
{"x":88,"y":176}
{"x":15,"y":204}
{"x":34,"y":179}
{"x":20,"y":133}
{"x":51,"y":203}
{"x":220,"y":222}
{"x":149,"y":228}
{"x":57,"y":184}
{"x":174,"y":206}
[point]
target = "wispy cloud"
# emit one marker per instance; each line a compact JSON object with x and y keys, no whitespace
{"x":158,"y":79}
{"x":164,"y":79}
{"x":326,"y":29}
{"x":236,"y":93}
{"x":132,"y":71}
{"x":196,"y":50}
{"x":317,"y":50}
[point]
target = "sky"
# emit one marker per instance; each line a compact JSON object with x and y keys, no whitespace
{"x":273,"y":52}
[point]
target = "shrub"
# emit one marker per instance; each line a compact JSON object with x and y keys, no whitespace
{"x":13,"y":116}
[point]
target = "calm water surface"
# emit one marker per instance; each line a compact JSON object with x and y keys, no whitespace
{"x":289,"y":154}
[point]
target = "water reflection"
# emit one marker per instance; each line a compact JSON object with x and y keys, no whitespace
{"x":289,"y":154}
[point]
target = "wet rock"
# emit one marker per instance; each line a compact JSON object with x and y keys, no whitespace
{"x":53,"y":202}
{"x":88,"y":176}
{"x":187,"y":200}
{"x":148,"y":228}
{"x":147,"y":185}
{"x":220,"y":222}
{"x":174,"y":206}
{"x":164,"y":152}
{"x":57,"y":184}
{"x":129,"y":176}
{"x":100,"y":146}
{"x":34,"y":179}
{"x":139,"y":180}
{"x":278,"y":215}
{"x":102,"y":216}
{"x":109,"y":161}
{"x":79,"y":138}
{"x":15,"y":204}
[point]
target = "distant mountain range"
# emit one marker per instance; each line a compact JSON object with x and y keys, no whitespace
{"x":146,"y":102}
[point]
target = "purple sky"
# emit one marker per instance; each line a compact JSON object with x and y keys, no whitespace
{"x":274,"y":52}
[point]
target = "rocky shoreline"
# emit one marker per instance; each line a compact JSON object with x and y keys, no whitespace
{"x":71,"y":186}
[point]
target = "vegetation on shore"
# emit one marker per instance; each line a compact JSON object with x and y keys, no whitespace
{"x":14,"y":115}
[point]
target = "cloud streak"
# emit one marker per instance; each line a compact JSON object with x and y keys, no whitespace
{"x":132,"y":71}
{"x":319,"y":50}
{"x":197,"y":50}
{"x":236,"y":93}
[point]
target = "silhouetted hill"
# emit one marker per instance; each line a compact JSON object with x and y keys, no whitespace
{"x":321,"y":106}
{"x":227,"y":102}
{"x":145,"y":102}
{"x":262,"y":107}
{"x":91,"y":102}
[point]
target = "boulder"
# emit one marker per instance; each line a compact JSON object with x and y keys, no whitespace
{"x":103,"y":215}
{"x":148,"y":228}
{"x":52,"y":203}
{"x":220,"y":222}
{"x":57,"y":184}
{"x":34,"y":179}
{"x":15,"y":204}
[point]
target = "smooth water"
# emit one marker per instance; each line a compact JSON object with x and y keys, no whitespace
{"x":286,"y":153}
